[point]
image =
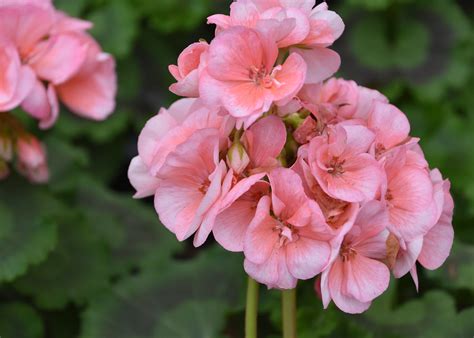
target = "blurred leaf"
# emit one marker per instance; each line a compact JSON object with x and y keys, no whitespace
{"x":73,"y":8}
{"x":115,"y":27}
{"x":18,"y":320}
{"x":432,"y":316}
{"x":131,"y":229}
{"x":192,"y":319}
{"x":77,"y":270}
{"x":134,"y":308}
{"x":171,"y":15}
{"x":27,"y":233}
{"x":65,"y":163}
{"x":72,"y":126}
{"x":458,"y":271}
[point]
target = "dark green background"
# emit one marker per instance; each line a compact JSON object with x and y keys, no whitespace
{"x":80,"y":258}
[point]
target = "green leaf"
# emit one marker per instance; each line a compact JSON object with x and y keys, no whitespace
{"x":458,"y":271}
{"x":18,"y":320}
{"x":115,"y":27}
{"x":131,"y":229}
{"x":77,"y":270}
{"x":135,"y":307}
{"x":73,"y":8}
{"x":192,"y":319}
{"x":27,"y":230}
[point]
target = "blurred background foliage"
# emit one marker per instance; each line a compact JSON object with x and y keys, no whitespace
{"x":79,"y":258}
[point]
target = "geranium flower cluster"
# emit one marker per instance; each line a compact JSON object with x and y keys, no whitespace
{"x":306,"y":177}
{"x":47,"y":56}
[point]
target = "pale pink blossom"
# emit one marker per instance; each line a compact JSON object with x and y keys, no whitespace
{"x":240,"y":74}
{"x":409,"y":196}
{"x":296,"y":24}
{"x":288,"y":239}
{"x":187,"y":70}
{"x":341,"y":165}
{"x":32,"y":159}
{"x":357,"y":275}
{"x":191,"y":182}
{"x":390,"y":126}
{"x":58,"y":59}
{"x":163,"y":133}
{"x":232,"y":222}
{"x":438,"y":241}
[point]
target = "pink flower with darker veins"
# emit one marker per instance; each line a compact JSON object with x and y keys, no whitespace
{"x":302,"y":175}
{"x":288,"y":239}
{"x":47,"y":56}
{"x":240,"y":74}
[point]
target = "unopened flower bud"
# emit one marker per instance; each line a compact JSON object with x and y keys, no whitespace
{"x":4,"y":170}
{"x":6,"y":148}
{"x":237,"y":158}
{"x":32,"y":160}
{"x":307,"y":130}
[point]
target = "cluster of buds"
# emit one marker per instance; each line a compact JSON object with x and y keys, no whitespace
{"x":23,"y":149}
{"x":308,"y":177}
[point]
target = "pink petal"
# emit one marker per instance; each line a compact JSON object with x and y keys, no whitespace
{"x":233,"y":52}
{"x":188,"y":86}
{"x":321,"y":62}
{"x":288,"y":194}
{"x":406,"y":259}
{"x":326,"y":27}
{"x":360,"y":181}
{"x":273,"y":272}
{"x":265,"y":141}
{"x":91,"y":94}
{"x":390,"y":124}
{"x":261,"y":237}
{"x":42,"y":104}
{"x":438,"y":241}
{"x":140,"y":178}
{"x":367,"y":99}
{"x":152,"y":133}
{"x":307,"y":257}
{"x":366,"y":278}
{"x":59,"y":58}
{"x":336,"y":282}
{"x":291,"y":77}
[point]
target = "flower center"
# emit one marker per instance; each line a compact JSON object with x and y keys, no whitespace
{"x":287,"y":232}
{"x":204,"y":186}
{"x":336,"y":166}
{"x":261,"y":77}
{"x":347,"y":252}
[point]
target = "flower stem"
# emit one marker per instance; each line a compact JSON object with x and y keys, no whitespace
{"x":251,"y":310}
{"x":289,"y":313}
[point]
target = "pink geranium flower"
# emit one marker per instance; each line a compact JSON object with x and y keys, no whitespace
{"x":240,"y":74}
{"x":357,"y":275}
{"x":308,"y":30}
{"x":288,"y":239}
{"x":263,"y":141}
{"x":163,"y":133}
{"x":58,"y":59}
{"x":191,"y":181}
{"x":409,"y":196}
{"x":187,"y":70}
{"x":341,"y":165}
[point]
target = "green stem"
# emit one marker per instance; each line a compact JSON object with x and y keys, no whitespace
{"x":251,"y":311}
{"x":289,"y":313}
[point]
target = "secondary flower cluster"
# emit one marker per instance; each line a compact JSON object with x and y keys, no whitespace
{"x":23,"y":148}
{"x":46,"y":56}
{"x":305,"y":177}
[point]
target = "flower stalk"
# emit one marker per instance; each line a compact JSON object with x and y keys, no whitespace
{"x":251,"y":311}
{"x":289,"y":313}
